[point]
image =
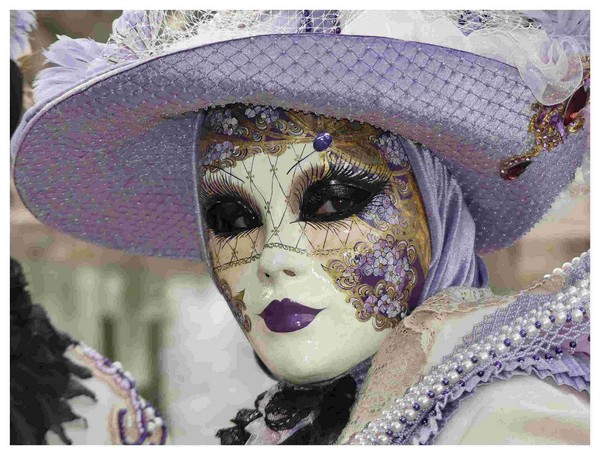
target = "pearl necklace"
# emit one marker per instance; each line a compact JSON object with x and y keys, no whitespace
{"x":530,"y":333}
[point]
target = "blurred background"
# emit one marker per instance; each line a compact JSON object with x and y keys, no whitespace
{"x":165,"y":321}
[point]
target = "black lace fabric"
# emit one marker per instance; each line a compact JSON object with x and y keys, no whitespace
{"x":237,"y":435}
{"x":42,"y":379}
{"x":330,"y":404}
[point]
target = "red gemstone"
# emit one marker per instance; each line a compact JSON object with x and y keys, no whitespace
{"x":513,"y":169}
{"x":577,"y":102}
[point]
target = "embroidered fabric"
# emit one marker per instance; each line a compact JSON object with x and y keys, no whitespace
{"x":523,"y":337}
{"x":571,"y":369}
{"x":403,"y":354}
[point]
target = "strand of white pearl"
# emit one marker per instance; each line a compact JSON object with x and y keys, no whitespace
{"x":568,"y":302}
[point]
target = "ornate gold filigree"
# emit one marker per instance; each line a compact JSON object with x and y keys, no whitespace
{"x":236,"y":303}
{"x":290,"y":127}
{"x":287,"y":248}
{"x":235,"y":263}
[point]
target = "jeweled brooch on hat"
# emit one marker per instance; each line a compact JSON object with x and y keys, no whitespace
{"x":551,"y":126}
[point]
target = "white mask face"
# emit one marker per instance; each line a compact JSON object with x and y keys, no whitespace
{"x":317,"y":243}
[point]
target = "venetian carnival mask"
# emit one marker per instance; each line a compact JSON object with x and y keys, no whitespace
{"x":316,"y":235}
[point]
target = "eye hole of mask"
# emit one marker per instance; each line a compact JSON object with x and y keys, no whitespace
{"x":231,"y":217}
{"x":333,"y":200}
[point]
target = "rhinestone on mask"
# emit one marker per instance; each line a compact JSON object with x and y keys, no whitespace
{"x":322,"y":141}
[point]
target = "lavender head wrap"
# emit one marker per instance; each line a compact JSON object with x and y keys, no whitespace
{"x":451,"y":226}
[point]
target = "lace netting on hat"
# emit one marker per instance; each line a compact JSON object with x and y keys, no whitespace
{"x":147,"y":33}
{"x":141,"y":34}
{"x":469,"y":21}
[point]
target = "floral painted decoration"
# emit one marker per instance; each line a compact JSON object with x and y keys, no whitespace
{"x":389,"y":145}
{"x":239,"y":131}
{"x":380,"y":275}
{"x":264,"y":115}
{"x":218,"y":152}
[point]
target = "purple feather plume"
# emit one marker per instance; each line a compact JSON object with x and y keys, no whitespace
{"x":75,"y":60}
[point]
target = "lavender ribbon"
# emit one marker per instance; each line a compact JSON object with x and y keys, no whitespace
{"x":451,"y":226}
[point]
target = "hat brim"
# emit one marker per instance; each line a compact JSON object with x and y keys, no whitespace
{"x":113,"y":160}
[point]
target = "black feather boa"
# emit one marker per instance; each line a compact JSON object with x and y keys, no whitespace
{"x":42,"y":379}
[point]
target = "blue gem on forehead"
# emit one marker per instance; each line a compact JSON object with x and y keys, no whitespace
{"x":322,"y":141}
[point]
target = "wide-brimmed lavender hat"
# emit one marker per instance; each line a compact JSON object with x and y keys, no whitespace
{"x":109,"y":151}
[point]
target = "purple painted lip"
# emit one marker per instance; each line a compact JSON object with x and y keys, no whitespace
{"x":285,"y":315}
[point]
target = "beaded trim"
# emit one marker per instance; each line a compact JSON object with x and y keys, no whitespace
{"x":147,"y":426}
{"x":534,"y":334}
